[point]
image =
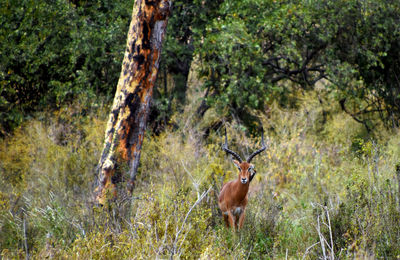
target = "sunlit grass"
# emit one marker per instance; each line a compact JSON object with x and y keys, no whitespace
{"x":311,"y":170}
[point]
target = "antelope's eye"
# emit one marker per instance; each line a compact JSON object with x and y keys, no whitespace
{"x":251,"y":169}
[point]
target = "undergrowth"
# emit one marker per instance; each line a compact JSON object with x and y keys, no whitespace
{"x":323,"y":188}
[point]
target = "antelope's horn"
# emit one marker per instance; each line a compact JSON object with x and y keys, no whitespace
{"x":225,"y":148}
{"x":251,"y":156}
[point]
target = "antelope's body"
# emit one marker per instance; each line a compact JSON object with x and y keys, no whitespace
{"x":233,"y":197}
{"x":233,"y":201}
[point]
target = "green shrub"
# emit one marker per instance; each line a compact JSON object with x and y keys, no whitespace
{"x":48,"y":171}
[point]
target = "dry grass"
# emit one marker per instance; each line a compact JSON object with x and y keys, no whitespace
{"x":323,"y":189}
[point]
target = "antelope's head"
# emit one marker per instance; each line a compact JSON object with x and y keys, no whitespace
{"x":246,"y":169}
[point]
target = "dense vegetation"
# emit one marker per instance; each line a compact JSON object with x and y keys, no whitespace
{"x":253,"y":48}
{"x":321,"y":77}
{"x":54,"y":51}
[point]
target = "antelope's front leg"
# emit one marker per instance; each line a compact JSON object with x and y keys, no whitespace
{"x":226,"y":219}
{"x":231,"y":219}
{"x":241,"y":218}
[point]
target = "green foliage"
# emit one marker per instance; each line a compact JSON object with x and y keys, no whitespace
{"x":43,"y":166}
{"x":52,"y":52}
{"x":253,"y":49}
{"x":304,"y":175}
{"x":366,"y":77}
{"x":251,"y":54}
{"x":186,"y":26}
{"x":323,"y":175}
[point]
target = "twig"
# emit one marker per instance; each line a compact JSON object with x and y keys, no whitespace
{"x":195,"y":183}
{"x":321,"y":238}
{"x":308,"y":249}
{"x":251,"y":249}
{"x":160,"y":249}
{"x":25,"y":240}
{"x":174,"y":251}
{"x":398,"y":180}
{"x":183,"y":240}
{"x":330,"y":233}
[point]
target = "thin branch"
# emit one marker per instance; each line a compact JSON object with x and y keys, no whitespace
{"x":330,"y":233}
{"x":321,"y":237}
{"x":186,"y":217}
{"x":194,"y":182}
{"x":308,"y":249}
{"x":343,"y":106}
{"x":25,"y":240}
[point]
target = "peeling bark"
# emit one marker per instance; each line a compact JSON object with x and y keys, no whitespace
{"x":128,"y":117}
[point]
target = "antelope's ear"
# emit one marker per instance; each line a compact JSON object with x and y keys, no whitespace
{"x":252,"y":173}
{"x":237,"y":163}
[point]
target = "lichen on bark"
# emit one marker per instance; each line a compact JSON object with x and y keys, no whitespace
{"x":128,"y":117}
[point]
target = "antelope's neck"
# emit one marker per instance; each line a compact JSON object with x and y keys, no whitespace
{"x":241,"y":190}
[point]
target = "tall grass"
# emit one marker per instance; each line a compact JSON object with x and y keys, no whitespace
{"x":324,"y":188}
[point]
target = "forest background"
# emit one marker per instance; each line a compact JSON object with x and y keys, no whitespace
{"x":321,"y":78}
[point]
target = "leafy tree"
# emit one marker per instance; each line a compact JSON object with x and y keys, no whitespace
{"x":186,"y":27}
{"x":365,"y":60}
{"x":53,"y":51}
{"x":58,"y":51}
{"x":258,"y":51}
{"x":252,"y":48}
{"x":251,"y":52}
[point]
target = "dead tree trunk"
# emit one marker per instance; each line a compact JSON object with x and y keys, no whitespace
{"x":127,"y":121}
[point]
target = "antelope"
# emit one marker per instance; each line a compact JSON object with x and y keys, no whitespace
{"x":233,"y":197}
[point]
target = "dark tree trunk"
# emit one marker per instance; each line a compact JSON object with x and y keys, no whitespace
{"x":127,"y":122}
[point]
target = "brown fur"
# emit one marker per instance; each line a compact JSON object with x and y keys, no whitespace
{"x":233,"y":195}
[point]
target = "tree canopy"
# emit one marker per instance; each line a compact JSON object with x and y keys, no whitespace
{"x":253,"y":49}
{"x":250,"y":52}
{"x":54,"y":51}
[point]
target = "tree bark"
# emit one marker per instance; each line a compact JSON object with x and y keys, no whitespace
{"x":127,"y":121}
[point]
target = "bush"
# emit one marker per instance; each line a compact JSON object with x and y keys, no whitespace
{"x":48,"y":168}
{"x":54,"y":52}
